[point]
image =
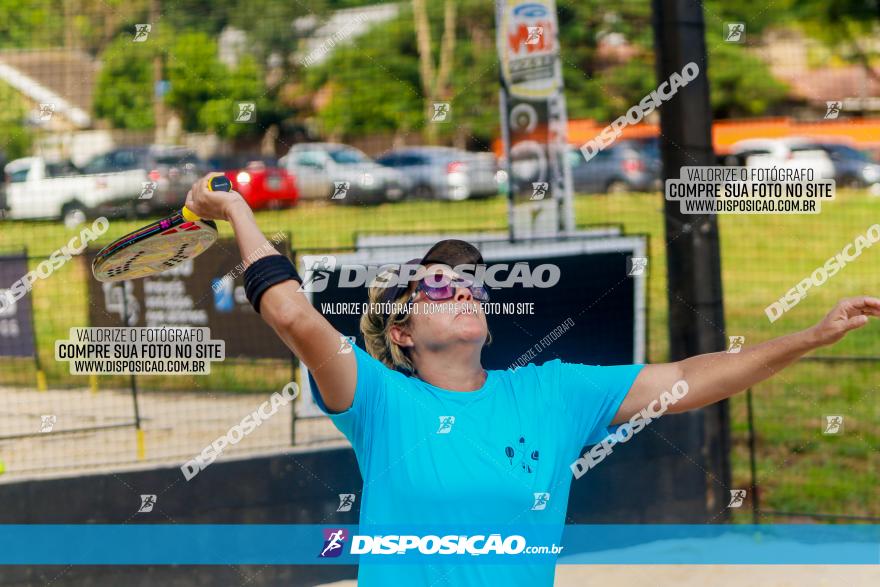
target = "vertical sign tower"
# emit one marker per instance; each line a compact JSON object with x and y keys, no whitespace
{"x":533,"y":117}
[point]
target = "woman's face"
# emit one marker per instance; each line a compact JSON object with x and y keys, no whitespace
{"x":434,"y":325}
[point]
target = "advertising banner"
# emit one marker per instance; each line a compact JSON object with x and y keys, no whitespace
{"x":16,"y":326}
{"x":207,"y":291}
{"x":533,"y":113}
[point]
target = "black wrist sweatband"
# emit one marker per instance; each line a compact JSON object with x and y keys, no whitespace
{"x":264,"y":273}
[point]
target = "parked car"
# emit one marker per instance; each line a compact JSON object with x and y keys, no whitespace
{"x":172,"y":170}
{"x":632,"y":165}
{"x":110,"y":184}
{"x":626,"y":166}
{"x":260,"y":180}
{"x":342,"y":174}
{"x":794,"y":153}
{"x":36,"y":188}
{"x":852,"y":168}
{"x":445,"y":173}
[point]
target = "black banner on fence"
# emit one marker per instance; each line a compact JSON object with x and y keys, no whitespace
{"x":207,"y":291}
{"x":603,"y":317}
{"x":16,"y":325}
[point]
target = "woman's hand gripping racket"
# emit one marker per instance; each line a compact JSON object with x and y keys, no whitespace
{"x":159,"y":246}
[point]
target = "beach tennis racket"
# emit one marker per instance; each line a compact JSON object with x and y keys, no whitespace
{"x":160,"y":246}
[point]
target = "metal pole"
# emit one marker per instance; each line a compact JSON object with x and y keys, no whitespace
{"x":133,"y":377}
{"x":42,"y":384}
{"x":505,"y":142}
{"x":140,"y":439}
{"x":753,"y":466}
{"x":696,"y":310}
{"x":293,"y":363}
{"x":158,"y":101}
{"x":566,"y":206}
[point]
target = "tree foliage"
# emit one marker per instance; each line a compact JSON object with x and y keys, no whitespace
{"x":203,"y":91}
{"x":124,"y":88}
{"x":15,"y":135}
{"x":374,"y":83}
{"x":36,"y":24}
{"x":740,"y":84}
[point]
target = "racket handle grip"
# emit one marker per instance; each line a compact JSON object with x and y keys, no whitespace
{"x":219,"y":183}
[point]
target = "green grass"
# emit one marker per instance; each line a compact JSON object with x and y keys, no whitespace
{"x":763,"y":256}
{"x":798,"y":468}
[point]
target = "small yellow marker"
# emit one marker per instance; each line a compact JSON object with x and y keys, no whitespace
{"x":41,"y":381}
{"x":93,"y":383}
{"x":141,"y":445}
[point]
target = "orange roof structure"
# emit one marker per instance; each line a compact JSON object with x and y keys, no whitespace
{"x":863,"y":133}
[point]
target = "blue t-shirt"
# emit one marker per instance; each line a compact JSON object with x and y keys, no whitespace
{"x":434,"y":456}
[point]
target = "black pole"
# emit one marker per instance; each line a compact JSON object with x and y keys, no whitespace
{"x":503,"y":97}
{"x":753,"y":465}
{"x":38,"y":365}
{"x":293,"y":364}
{"x":696,"y":311}
{"x":294,"y":361}
{"x":133,"y":378}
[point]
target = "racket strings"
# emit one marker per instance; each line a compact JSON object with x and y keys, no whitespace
{"x":153,"y":250}
{"x":125,"y":267}
{"x":178,"y":257}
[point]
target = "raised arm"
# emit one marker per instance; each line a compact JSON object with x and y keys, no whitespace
{"x":302,"y":328}
{"x":715,"y":376}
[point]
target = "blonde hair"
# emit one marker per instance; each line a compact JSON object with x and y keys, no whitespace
{"x":376,"y":327}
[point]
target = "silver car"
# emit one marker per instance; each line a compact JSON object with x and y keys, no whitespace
{"x":445,"y":173}
{"x":342,"y":174}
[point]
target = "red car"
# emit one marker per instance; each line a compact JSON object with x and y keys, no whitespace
{"x":264,"y":186}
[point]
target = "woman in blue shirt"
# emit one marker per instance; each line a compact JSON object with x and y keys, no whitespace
{"x":441,"y":441}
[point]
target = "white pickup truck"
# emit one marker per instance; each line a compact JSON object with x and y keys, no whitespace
{"x":114,"y":183}
{"x":37,"y":189}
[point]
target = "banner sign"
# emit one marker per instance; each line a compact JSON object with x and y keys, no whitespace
{"x":534,"y":120}
{"x":420,"y":544}
{"x":207,"y":291}
{"x":16,"y":326}
{"x":620,"y":318}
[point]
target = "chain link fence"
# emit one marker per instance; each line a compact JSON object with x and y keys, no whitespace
{"x":338,"y":125}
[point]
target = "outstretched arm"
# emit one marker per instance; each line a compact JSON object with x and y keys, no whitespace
{"x":302,"y":328}
{"x":715,"y":376}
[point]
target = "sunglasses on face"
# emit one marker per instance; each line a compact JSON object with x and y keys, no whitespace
{"x":438,"y":290}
